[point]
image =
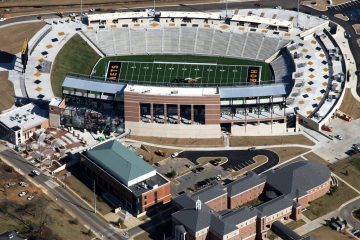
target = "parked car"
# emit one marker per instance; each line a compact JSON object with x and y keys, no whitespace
{"x":174,"y":155}
{"x":200,"y":169}
{"x":324,"y":17}
{"x":187,"y":165}
{"x":347,"y":35}
{"x":339,"y":137}
{"x":23,"y":184}
{"x":214,"y":163}
{"x":252,"y":148}
{"x":2,"y":19}
{"x":35,"y":172}
{"x":29,"y":198}
{"x":23,"y":193}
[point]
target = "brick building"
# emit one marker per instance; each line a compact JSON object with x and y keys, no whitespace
{"x":122,"y":174}
{"x":214,"y":213}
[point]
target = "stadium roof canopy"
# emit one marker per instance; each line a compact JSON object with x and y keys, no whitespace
{"x":88,"y":84}
{"x":255,"y":91}
{"x":262,"y":20}
{"x":120,"y":163}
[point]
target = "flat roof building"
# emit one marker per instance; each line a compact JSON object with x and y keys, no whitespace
{"x":21,"y":123}
{"x":121,"y":173}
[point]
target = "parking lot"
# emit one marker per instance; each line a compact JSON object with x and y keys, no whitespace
{"x":197,"y":169}
{"x":335,"y":149}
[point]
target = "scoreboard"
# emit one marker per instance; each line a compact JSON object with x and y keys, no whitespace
{"x":25,"y":54}
{"x":113,"y":71}
{"x":253,"y":76}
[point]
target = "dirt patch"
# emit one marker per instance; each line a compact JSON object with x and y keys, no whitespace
{"x":350,"y":105}
{"x":326,"y":233}
{"x":260,"y":158}
{"x":182,"y":142}
{"x":286,"y":153}
{"x":155,"y":154}
{"x":6,"y":92}
{"x":341,"y":16}
{"x":12,"y":37}
{"x":269,"y":140}
{"x":19,"y":214}
{"x":356,"y":28}
{"x":21,"y":7}
{"x":87,"y":194}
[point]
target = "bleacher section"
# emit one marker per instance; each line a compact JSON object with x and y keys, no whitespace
{"x":283,"y":67}
{"x":188,"y":40}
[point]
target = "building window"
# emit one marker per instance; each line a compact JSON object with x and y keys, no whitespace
{"x":145,"y":197}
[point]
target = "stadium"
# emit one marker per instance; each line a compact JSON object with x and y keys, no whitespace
{"x":195,"y":74}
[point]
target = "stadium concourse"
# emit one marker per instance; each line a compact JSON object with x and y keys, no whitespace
{"x":306,"y":84}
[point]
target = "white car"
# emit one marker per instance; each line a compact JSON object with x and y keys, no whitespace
{"x":23,"y":193}
{"x":29,"y":198}
{"x":2,"y":19}
{"x":174,"y":155}
{"x":35,"y":172}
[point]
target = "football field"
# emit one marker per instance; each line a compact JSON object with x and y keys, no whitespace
{"x":174,"y":72}
{"x":180,"y":70}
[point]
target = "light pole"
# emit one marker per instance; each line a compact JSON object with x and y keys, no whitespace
{"x":94,"y":197}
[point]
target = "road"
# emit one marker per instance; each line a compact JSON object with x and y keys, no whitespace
{"x":346,"y":213}
{"x":63,"y":197}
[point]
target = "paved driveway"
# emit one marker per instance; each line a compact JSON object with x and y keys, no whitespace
{"x":237,"y":159}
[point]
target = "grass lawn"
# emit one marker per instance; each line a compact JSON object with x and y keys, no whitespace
{"x":349,"y":170}
{"x":327,"y":203}
{"x":326,"y":233}
{"x":314,"y":157}
{"x":295,"y":224}
{"x":286,"y":153}
{"x":76,"y":56}
{"x":211,"y":70}
{"x":269,"y":140}
{"x":6,"y":92}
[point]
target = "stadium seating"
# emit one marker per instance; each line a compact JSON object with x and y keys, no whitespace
{"x":171,"y":40}
{"x":204,"y":40}
{"x":122,"y":42}
{"x":220,"y":42}
{"x":154,"y":40}
{"x":237,"y":44}
{"x":138,"y":41}
{"x":252,"y":45}
{"x":283,"y":67}
{"x":187,"y":39}
{"x":267,"y":47}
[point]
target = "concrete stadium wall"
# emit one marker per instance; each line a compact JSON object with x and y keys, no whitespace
{"x":174,"y":130}
{"x":259,"y":130}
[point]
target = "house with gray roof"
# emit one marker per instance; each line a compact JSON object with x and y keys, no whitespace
{"x":286,"y":191}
